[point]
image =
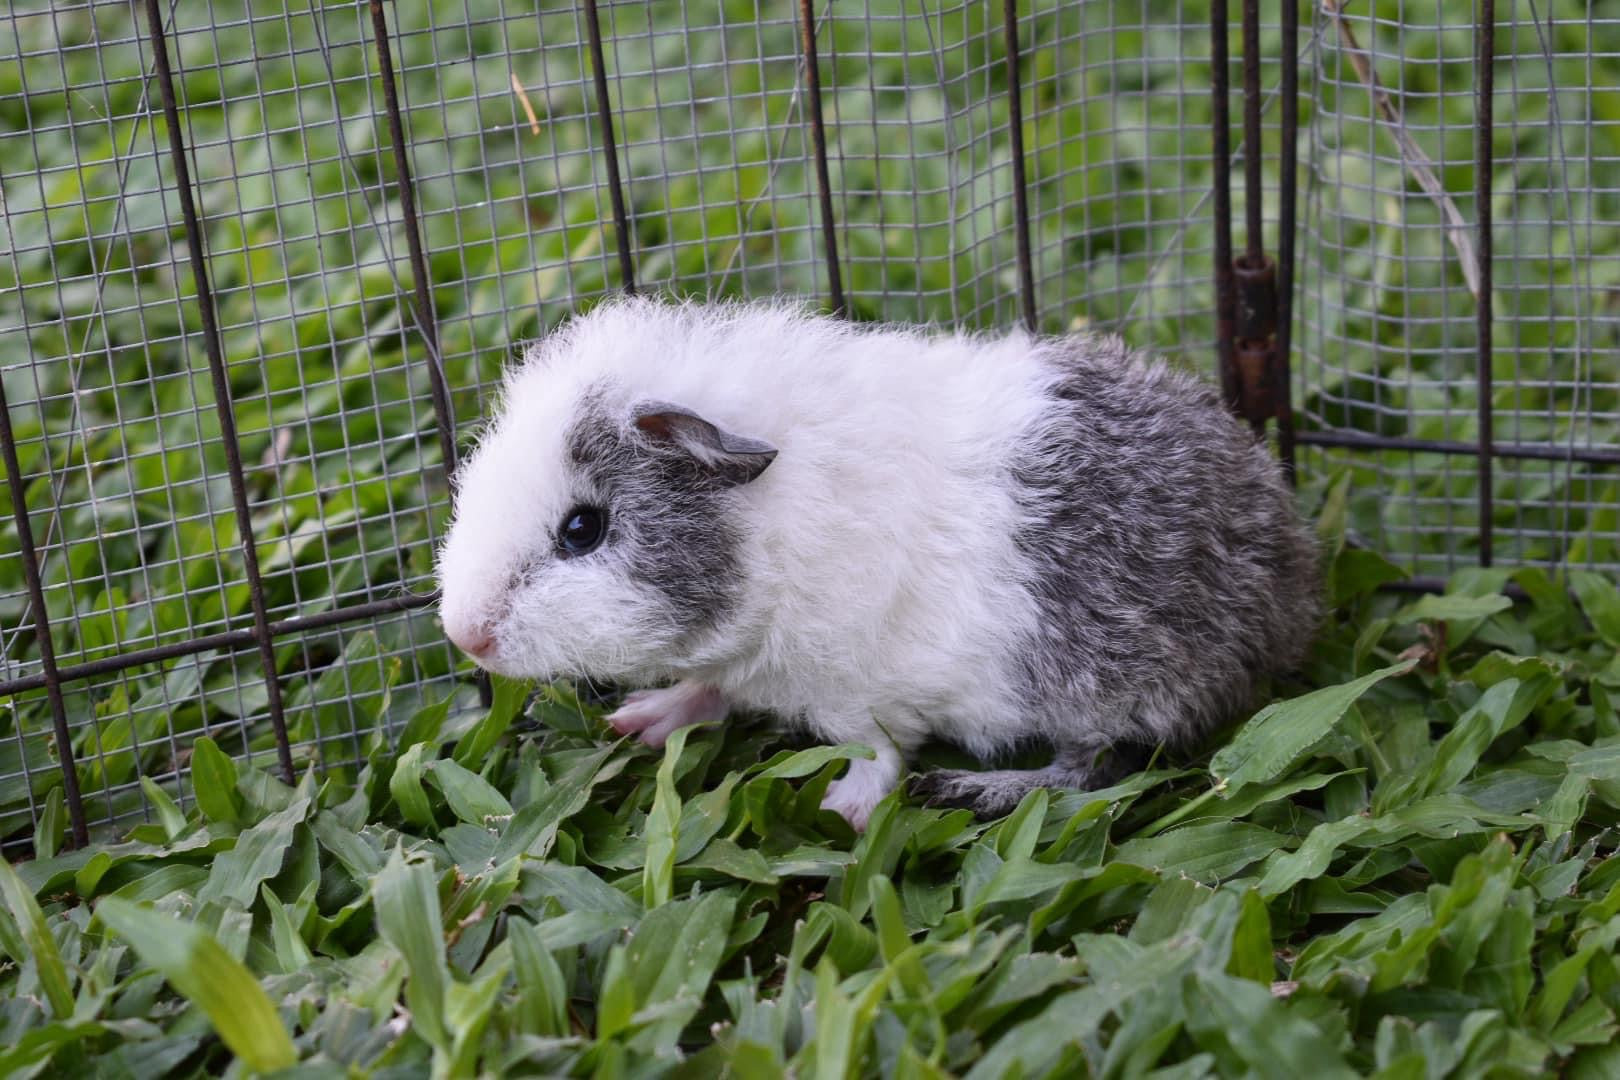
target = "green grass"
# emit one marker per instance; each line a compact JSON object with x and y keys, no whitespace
{"x":1410,"y":874}
{"x":1420,"y":882}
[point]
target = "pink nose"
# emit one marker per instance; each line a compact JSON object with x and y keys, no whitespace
{"x":476,"y":640}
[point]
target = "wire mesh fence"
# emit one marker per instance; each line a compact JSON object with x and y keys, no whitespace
{"x":1389,"y":346}
{"x":376,"y":230}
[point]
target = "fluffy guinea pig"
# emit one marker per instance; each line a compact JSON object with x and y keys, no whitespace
{"x":882,"y":534}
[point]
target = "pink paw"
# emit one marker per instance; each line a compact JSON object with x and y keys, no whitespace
{"x":655,"y":714}
{"x":856,"y":794}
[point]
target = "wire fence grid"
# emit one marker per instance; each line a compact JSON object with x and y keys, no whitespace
{"x":265,"y":263}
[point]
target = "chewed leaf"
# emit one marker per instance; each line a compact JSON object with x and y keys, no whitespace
{"x":209,"y":977}
{"x":1284,"y":731}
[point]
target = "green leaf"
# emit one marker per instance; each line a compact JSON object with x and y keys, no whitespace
{"x":210,"y":978}
{"x":258,"y":855}
{"x":1251,"y":942}
{"x":35,"y":936}
{"x":1243,"y":1023}
{"x":799,"y":763}
{"x":1450,"y":607}
{"x":1311,"y":858}
{"x":213,"y":780}
{"x":671,"y":959}
{"x":508,"y":698}
{"x":533,"y":829}
{"x":542,"y":1007}
{"x":1601,"y":602}
{"x":291,"y":951}
{"x":1284,"y":731}
{"x":406,"y":786}
{"x":1035,"y":1045}
{"x":470,"y":797}
{"x":1500,"y":709}
{"x":409,"y":918}
{"x":50,"y":829}
{"x":169,"y":815}
{"x":1209,"y":853}
{"x":663,"y":827}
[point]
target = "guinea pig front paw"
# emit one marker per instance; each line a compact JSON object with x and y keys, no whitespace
{"x":653,"y":715}
{"x":856,"y":794}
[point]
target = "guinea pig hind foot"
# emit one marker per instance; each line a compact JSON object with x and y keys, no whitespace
{"x":995,"y":793}
{"x":653,"y":715}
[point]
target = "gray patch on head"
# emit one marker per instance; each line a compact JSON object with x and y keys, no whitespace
{"x":1168,"y":565}
{"x":667,"y":517}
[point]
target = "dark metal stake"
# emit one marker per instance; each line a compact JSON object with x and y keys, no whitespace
{"x":818,"y":136}
{"x":610,"y":149}
{"x":426,"y":317}
{"x":50,"y":677}
{"x":1282,"y":393}
{"x":222,"y":388}
{"x":1015,"y":125}
{"x":426,"y":320}
{"x":1253,"y":140}
{"x":1484,"y":62}
{"x":1225,"y":316}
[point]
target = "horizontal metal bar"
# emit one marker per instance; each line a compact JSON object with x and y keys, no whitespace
{"x":1424,"y":583}
{"x":1356,"y":440}
{"x":229,"y":641}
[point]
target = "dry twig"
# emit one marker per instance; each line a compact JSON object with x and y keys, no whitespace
{"x":1416,"y":161}
{"x":523,"y":96}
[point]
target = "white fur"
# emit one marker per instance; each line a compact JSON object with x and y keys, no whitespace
{"x":882,"y":591}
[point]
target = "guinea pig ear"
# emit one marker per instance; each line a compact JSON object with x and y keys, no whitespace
{"x":735,"y":459}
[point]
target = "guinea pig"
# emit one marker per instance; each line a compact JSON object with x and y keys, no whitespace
{"x":882,"y":534}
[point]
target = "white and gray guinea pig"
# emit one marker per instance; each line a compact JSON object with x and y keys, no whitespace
{"x":882,"y":534}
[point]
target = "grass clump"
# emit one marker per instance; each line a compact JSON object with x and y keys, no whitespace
{"x":1406,"y":871}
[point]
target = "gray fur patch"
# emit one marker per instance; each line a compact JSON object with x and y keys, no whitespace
{"x":993,"y":793}
{"x":666,"y":517}
{"x":1169,"y":566}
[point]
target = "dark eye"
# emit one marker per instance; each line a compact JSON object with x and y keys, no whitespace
{"x":582,"y":529}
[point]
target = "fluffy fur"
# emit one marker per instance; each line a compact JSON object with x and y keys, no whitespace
{"x":882,"y":534}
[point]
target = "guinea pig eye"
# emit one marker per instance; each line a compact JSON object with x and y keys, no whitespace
{"x":582,"y":529}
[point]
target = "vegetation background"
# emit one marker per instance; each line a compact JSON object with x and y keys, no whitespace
{"x":1403,"y":867}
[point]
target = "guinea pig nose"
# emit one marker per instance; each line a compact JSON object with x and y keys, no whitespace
{"x":475,"y":640}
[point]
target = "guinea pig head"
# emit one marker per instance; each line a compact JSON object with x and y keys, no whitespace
{"x":597,"y":539}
